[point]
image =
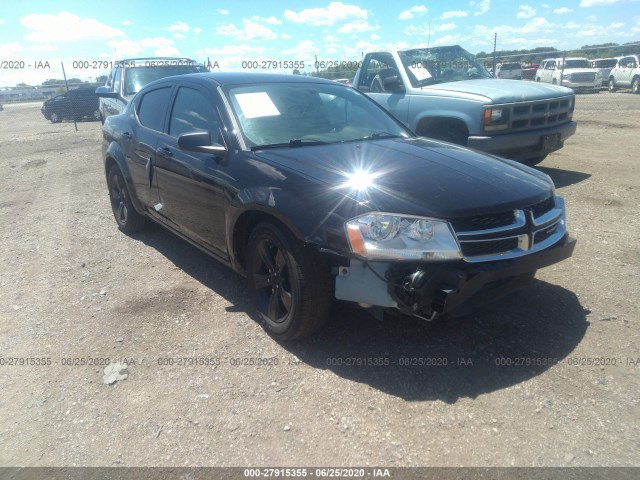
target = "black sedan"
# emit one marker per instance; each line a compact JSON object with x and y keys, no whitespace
{"x":313,"y":192}
{"x":72,"y":105}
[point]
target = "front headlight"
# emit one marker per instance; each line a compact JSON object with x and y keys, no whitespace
{"x":566,"y":76}
{"x":495,"y":119}
{"x":385,"y":236}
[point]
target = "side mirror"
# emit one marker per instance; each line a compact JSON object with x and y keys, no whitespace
{"x":106,"y":92}
{"x":200,"y":142}
{"x":393,"y":84}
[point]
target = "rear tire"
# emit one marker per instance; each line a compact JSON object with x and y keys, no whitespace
{"x":290,"y":285}
{"x":127,"y":218}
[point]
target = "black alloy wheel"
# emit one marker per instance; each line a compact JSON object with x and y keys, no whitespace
{"x":290,"y":286}
{"x":129,"y":221}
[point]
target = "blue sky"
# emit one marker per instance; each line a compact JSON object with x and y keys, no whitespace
{"x":232,"y":32}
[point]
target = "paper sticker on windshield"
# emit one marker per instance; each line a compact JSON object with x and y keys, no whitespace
{"x":419,"y":71}
{"x":256,"y":105}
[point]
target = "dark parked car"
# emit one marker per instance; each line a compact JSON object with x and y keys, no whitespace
{"x":128,"y":76}
{"x":313,"y":191}
{"x":72,"y":105}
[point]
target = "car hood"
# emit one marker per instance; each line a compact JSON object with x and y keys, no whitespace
{"x":500,"y":90}
{"x":416,"y":176}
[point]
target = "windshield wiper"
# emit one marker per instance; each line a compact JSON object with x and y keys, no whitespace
{"x":294,"y":142}
{"x":376,"y":135}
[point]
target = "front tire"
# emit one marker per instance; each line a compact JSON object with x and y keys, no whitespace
{"x":289,"y":284}
{"x":635,"y":85}
{"x":128,"y":220}
{"x":450,"y":134}
{"x":55,"y":118}
{"x":534,"y":161}
{"x":612,"y":85}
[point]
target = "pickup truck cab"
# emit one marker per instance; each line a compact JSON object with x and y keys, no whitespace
{"x":575,"y":73}
{"x":129,"y":75}
{"x":626,"y":74}
{"x":444,"y":93}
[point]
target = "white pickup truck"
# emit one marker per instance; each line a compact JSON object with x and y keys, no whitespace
{"x":575,"y":73}
{"x":626,"y":74}
{"x":445,"y":93}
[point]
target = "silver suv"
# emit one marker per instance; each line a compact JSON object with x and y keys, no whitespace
{"x":129,"y":76}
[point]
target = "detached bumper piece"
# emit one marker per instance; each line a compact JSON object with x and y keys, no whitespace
{"x":436,"y":290}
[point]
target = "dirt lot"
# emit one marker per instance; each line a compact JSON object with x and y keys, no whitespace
{"x":73,"y":287}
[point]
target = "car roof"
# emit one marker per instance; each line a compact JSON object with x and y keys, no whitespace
{"x":155,"y":58}
{"x":243,"y":78}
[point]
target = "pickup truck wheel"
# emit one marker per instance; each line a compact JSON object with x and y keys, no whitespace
{"x":612,"y":85}
{"x":534,"y":161}
{"x":635,"y":85}
{"x":289,"y":286}
{"x":128,"y":220}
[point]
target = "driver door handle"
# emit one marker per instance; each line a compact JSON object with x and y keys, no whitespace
{"x":165,"y":152}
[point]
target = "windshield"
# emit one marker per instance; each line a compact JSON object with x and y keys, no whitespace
{"x":610,"y":63}
{"x":577,"y":64}
{"x":429,"y":66}
{"x":296,"y":114}
{"x":138,"y":77}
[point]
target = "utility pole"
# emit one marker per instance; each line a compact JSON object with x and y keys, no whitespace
{"x":73,"y":113}
{"x":495,"y":42}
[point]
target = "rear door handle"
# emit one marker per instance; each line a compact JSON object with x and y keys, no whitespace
{"x":165,"y":152}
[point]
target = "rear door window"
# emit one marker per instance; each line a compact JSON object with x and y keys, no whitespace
{"x":152,"y":108}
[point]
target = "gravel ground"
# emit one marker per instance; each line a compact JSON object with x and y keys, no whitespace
{"x":73,"y":289}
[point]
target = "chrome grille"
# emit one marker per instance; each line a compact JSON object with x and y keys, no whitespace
{"x":583,"y":77}
{"x":538,"y":114}
{"x":511,"y":233}
{"x":542,"y":207}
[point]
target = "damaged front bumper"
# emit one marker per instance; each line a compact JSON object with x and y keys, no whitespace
{"x":429,"y":290}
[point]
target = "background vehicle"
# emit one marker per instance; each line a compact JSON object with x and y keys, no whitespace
{"x":72,"y":105}
{"x":313,"y":191}
{"x":131,"y":74}
{"x":444,"y":93}
{"x":529,"y":71}
{"x":512,"y":71}
{"x":604,"y":66}
{"x":576,"y":74}
{"x":626,"y":74}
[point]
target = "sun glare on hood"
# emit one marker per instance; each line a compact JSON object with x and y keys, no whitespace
{"x":360,"y":180}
